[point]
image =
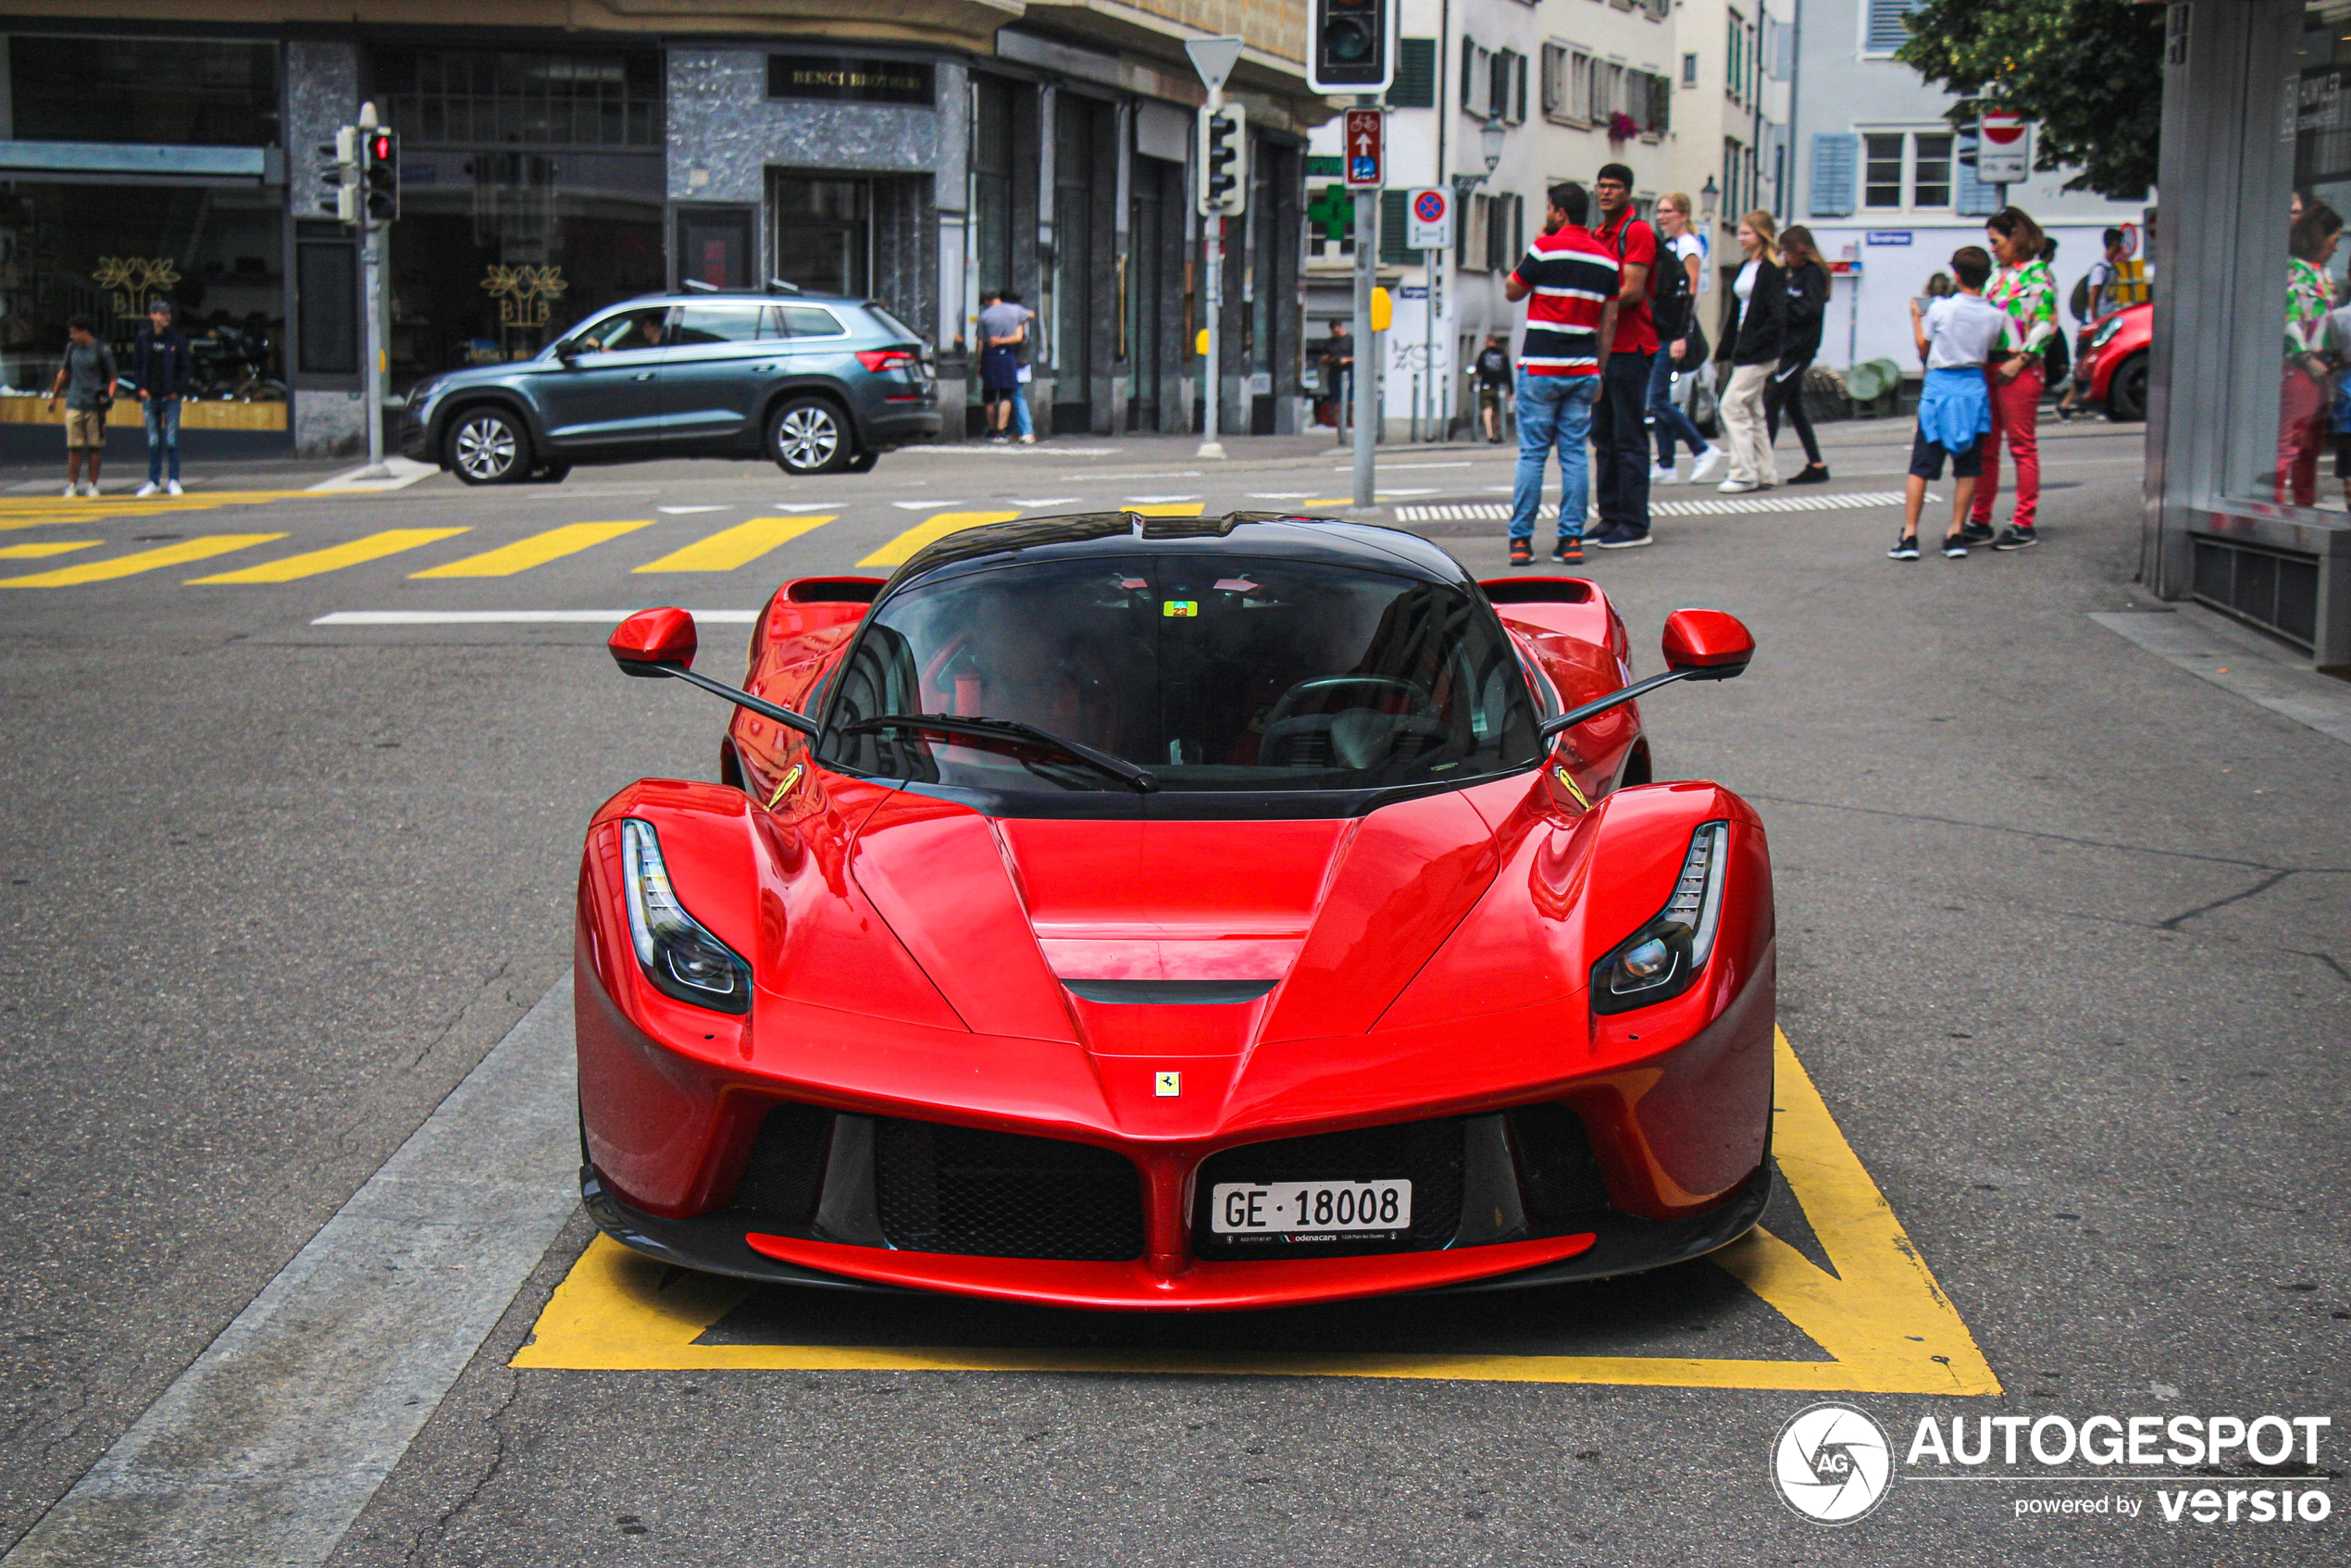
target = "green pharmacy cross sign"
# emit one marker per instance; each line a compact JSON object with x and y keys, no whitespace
{"x":1333,"y":212}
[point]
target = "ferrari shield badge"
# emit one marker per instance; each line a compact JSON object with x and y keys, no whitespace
{"x":1167,"y":1086}
{"x":790,"y":777}
{"x":1568,"y":784}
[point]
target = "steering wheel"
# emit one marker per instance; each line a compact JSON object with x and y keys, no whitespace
{"x":1423,"y":707}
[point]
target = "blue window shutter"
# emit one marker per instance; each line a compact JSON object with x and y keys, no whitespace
{"x":1888,"y":26}
{"x":1835,"y":153}
{"x":1971,"y":197}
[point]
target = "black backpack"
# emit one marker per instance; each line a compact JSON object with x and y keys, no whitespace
{"x":1669,"y":289}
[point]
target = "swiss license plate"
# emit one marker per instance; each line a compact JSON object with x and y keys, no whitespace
{"x":1292,"y":1208}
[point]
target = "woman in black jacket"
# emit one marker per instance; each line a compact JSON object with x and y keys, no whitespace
{"x":1750,"y":347}
{"x":1805,"y":283}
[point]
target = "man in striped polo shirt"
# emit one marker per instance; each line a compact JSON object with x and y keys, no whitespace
{"x":1573,"y":281}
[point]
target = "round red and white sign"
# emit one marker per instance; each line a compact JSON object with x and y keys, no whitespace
{"x":2002,"y":127}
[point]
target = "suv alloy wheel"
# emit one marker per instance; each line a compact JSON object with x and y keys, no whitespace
{"x":807,"y":435}
{"x":488,"y":446}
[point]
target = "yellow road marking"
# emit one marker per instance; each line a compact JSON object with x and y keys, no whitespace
{"x":536,"y":551}
{"x":1885,"y":1325}
{"x":1169,"y":509}
{"x":310,"y":563}
{"x":737,"y":546}
{"x":30,"y":551}
{"x":899,"y":551}
{"x":126,"y":505}
{"x":1328,"y":500}
{"x":187,"y":550}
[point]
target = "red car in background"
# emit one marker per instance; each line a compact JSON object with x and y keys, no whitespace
{"x":2115,"y":349}
{"x":1131,"y":912}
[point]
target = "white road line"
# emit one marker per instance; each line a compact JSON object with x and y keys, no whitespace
{"x":513,"y":617}
{"x":1496,"y":511}
{"x":1392,"y":468}
{"x":681,"y":511}
{"x":400,"y":472}
{"x":1159,"y":500}
{"x":1043,"y":501}
{"x":268,"y":1447}
{"x":924,"y":505}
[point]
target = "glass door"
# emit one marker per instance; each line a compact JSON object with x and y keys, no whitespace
{"x":824,"y":234}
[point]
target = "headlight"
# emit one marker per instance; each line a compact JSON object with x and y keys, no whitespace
{"x":2102,"y":335}
{"x":1662,"y":958}
{"x":679,"y":956}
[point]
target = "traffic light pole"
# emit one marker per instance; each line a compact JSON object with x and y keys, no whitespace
{"x":372,"y":257}
{"x":1211,"y":371}
{"x":1367,"y":349}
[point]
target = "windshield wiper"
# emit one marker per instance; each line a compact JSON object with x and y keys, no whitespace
{"x":1120,"y":768}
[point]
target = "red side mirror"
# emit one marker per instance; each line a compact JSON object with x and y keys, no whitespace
{"x":653,"y":637}
{"x":1707,"y":645}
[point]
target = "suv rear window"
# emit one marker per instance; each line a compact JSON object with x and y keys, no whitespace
{"x":810,"y":321}
{"x":724,"y":322}
{"x":881,"y":313}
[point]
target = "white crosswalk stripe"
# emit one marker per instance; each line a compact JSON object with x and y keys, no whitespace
{"x":1500,"y":511}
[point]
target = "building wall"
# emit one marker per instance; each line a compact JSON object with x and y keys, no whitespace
{"x":1842,"y":90}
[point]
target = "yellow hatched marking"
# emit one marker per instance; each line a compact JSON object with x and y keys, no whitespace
{"x":310,"y":563}
{"x":899,"y":551}
{"x":737,"y":546}
{"x":187,"y":550}
{"x":34,"y":551}
{"x":1884,"y":1323}
{"x":536,"y":551}
{"x":1169,"y":509}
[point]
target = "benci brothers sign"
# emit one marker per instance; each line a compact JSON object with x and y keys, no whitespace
{"x":859,"y":81}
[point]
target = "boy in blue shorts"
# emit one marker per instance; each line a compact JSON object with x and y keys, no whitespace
{"x":1956,"y":335}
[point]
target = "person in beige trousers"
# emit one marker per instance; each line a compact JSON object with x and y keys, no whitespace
{"x":1749,"y":348}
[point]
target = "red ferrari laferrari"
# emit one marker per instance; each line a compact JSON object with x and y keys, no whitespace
{"x":1140,"y":913}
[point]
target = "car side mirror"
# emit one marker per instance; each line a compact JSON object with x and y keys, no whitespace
{"x":661,"y":644}
{"x":1699,"y":645}
{"x":1707,"y":645}
{"x":567,"y":350}
{"x":649,"y":639}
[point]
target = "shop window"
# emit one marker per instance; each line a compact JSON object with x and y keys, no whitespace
{"x":2314,"y":304}
{"x":106,"y":250}
{"x":512,"y":98}
{"x":822,"y":233}
{"x":177,"y":91}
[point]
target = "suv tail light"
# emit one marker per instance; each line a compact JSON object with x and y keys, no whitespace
{"x":881,"y":360}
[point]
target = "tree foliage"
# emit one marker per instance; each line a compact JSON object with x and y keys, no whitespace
{"x":2090,"y":72}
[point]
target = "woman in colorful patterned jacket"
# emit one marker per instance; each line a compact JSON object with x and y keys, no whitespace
{"x":2023,"y":288}
{"x":2303,"y":414}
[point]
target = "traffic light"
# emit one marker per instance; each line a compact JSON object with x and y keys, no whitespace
{"x":380,"y":168}
{"x":339,"y":171}
{"x":1351,"y":46}
{"x":1223,"y":162}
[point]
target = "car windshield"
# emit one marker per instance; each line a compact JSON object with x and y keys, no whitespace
{"x":1215,"y":673}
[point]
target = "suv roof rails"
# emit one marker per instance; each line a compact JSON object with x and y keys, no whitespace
{"x":777,"y":286}
{"x":696,"y":286}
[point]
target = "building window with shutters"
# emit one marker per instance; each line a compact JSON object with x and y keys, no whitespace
{"x":1689,"y":70}
{"x":1885,"y":26}
{"x":1881,"y":170}
{"x":1415,"y":86}
{"x":1507,"y":86}
{"x":1477,"y":80}
{"x":1908,"y":171}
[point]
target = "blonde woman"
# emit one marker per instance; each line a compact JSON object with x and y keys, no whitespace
{"x":1751,"y":348}
{"x":1680,"y":278}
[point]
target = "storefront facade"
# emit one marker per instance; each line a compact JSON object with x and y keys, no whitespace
{"x":2246,"y":487}
{"x":549,"y":170}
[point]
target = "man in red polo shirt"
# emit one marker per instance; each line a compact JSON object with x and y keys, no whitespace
{"x":1572,"y":278}
{"x":1619,"y":421}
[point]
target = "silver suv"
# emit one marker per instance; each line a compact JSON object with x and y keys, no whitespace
{"x":818,"y":382}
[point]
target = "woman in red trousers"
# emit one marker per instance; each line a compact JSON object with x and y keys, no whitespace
{"x":2023,"y":288}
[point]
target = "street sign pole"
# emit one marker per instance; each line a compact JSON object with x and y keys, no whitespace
{"x":372,"y":248}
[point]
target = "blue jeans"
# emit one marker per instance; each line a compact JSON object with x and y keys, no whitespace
{"x":1553,"y":411}
{"x":1021,"y":426}
{"x":163,"y":435}
{"x":1666,"y":417}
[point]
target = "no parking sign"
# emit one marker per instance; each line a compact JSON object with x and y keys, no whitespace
{"x":1429,"y":226}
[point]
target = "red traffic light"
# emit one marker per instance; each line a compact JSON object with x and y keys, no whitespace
{"x":379,"y":145}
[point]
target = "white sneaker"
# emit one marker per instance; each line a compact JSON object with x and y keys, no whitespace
{"x":1736,"y":487}
{"x":1709,"y":463}
{"x":144,"y":491}
{"x":90,"y":489}
{"x":72,"y":491}
{"x":1661,"y":473}
{"x":173,"y":488}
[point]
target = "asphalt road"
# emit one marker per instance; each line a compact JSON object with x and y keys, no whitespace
{"x":2065,"y":946}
